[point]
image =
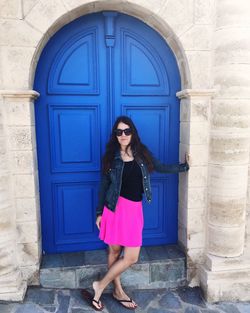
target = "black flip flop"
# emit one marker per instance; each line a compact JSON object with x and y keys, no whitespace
{"x":89,"y":298}
{"x":130,"y":300}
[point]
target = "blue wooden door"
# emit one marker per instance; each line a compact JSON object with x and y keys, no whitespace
{"x":91,"y":71}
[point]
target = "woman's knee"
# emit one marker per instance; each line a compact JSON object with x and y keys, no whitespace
{"x":131,"y":255}
{"x":115,"y":250}
{"x":131,"y":260}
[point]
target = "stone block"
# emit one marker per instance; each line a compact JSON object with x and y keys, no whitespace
{"x":231,"y":46}
{"x":20,"y":112}
{"x":232,"y":80}
{"x":193,"y":296}
{"x":182,"y":216}
{"x":42,"y":16}
{"x":198,"y":154}
{"x":193,"y":279}
{"x":200,"y":78}
{"x":28,"y":232}
{"x":228,"y":12}
{"x":194,"y":133}
{"x":28,"y":253}
{"x":15,"y":62}
{"x":13,"y":293}
{"x":198,"y":37}
{"x":26,"y":36}
{"x":228,"y":181}
{"x":225,"y":211}
{"x":196,"y":198}
{"x":8,"y":261}
{"x":31,"y":274}
{"x":229,"y":149}
{"x":225,"y":241}
{"x":233,"y":114}
{"x":182,"y":234}
{"x":95,"y":257}
{"x":197,"y":176}
{"x":24,"y":162}
{"x":195,"y":257}
{"x":22,"y":138}
{"x":165,"y":272}
{"x":118,"y":5}
{"x":195,"y":109}
{"x":204,"y":12}
{"x":178,"y":14}
{"x":227,"y":289}
{"x":26,"y":185}
{"x":58,"y":278}
{"x":196,"y":239}
{"x":80,"y":5}
{"x":40,"y":296}
{"x":86,"y":275}
{"x":170,"y":300}
{"x":28,"y":6}
{"x":196,"y":221}
{"x":136,"y":276}
{"x":11,"y":9}
{"x":27,"y":209}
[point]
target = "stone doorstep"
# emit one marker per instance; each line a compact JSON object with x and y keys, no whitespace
{"x":158,"y":267}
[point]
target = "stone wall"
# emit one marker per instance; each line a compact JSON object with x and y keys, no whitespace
{"x":210,"y":42}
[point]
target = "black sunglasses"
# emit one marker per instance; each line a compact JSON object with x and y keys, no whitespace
{"x":127,"y":132}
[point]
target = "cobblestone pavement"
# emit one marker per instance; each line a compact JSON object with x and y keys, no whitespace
{"x":181,"y":300}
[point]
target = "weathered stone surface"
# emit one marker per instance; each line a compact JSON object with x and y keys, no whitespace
{"x":85,"y":276}
{"x":204,"y":12}
{"x":58,"y":278}
{"x":43,"y":15}
{"x":136,"y":276}
{"x":192,"y":296}
{"x":63,"y":301}
{"x":167,"y":272}
{"x":170,"y":301}
{"x":28,"y":253}
{"x":29,"y":308}
{"x":222,"y":241}
{"x":40,"y":296}
{"x":211,"y":43}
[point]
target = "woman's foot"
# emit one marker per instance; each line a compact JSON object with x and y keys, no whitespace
{"x":121,"y":295}
{"x":98,"y":292}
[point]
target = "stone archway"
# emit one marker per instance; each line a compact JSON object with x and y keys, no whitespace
{"x":20,"y":126}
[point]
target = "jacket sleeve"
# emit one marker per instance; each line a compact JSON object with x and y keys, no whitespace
{"x":105,"y":182}
{"x":169,"y":168}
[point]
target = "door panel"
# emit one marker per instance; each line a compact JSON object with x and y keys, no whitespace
{"x":146,"y":93}
{"x":75,"y":138}
{"x":91,"y":71}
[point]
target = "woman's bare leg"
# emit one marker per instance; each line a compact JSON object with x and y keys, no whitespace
{"x":113,"y":256}
{"x":119,"y":293}
{"x":131,"y":255}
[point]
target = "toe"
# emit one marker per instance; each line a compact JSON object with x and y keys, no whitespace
{"x":97,"y":305}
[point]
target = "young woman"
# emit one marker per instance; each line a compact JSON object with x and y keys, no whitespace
{"x":127,"y":165}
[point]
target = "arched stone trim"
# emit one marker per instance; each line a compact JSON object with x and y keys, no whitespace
{"x":146,"y":15}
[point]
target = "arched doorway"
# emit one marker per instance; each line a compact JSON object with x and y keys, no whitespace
{"x":98,"y":67}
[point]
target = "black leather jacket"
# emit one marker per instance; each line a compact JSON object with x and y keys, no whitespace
{"x":110,"y":185}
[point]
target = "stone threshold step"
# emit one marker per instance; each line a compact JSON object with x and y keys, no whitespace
{"x":161,"y":266}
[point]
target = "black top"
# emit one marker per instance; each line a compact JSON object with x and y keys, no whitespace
{"x":132,"y":187}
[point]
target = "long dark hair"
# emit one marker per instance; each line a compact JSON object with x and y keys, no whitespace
{"x":138,"y":148}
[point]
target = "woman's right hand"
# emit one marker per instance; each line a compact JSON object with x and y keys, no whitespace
{"x":98,"y":221}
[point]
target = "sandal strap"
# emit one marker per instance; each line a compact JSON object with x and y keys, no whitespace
{"x":96,"y":301}
{"x":130,"y":300}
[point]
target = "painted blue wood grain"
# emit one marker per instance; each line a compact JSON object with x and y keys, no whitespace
{"x":92,"y":70}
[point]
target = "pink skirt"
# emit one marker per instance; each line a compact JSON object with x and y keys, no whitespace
{"x":124,"y":226}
